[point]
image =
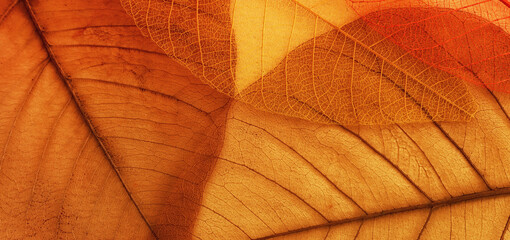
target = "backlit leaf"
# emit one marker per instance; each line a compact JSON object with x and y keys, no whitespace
{"x":297,"y":58}
{"x":102,"y":136}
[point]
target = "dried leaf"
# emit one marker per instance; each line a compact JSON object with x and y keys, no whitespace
{"x":312,"y":68}
{"x":103,"y":136}
{"x":158,"y":128}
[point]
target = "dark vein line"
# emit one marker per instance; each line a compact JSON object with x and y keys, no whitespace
{"x":448,"y":202}
{"x":327,"y":233}
{"x":308,"y":162}
{"x":425,"y":224}
{"x":505,"y":2}
{"x":505,"y":229}
{"x":464,"y":154}
{"x":276,"y":183}
{"x":65,"y":79}
{"x":359,"y":230}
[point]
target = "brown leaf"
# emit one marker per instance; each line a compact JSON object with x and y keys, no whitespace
{"x":56,"y":181}
{"x":156,"y":124}
{"x":103,"y":136}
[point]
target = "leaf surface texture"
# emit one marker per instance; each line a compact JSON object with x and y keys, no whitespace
{"x":103,"y":136}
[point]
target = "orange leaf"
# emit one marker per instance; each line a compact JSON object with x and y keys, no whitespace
{"x":122,"y":151}
{"x":102,"y":136}
{"x":294,"y":58}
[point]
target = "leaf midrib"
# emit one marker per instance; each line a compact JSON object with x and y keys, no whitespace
{"x":432,"y":205}
{"x":66,"y":79}
{"x":489,"y":193}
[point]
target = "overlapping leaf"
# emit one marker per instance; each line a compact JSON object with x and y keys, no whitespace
{"x":184,"y":169}
{"x":308,"y":67}
{"x":440,"y":36}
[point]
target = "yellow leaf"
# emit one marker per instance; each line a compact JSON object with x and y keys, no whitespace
{"x":102,"y":136}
